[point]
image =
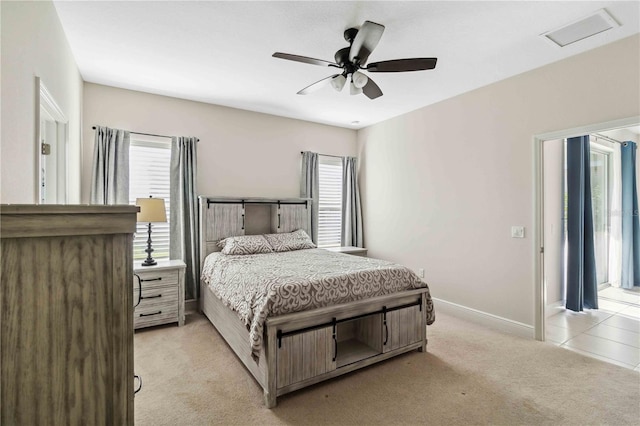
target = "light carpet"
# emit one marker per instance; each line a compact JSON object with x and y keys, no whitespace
{"x":470,"y":375}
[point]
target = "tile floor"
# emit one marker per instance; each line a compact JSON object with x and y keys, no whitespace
{"x":611,"y":333}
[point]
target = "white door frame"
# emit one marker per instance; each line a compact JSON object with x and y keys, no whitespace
{"x":46,"y":107}
{"x":540,"y":291}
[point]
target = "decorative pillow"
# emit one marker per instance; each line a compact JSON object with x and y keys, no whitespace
{"x":245,"y":244}
{"x":296,"y":240}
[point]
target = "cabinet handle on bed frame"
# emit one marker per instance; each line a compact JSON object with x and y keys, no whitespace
{"x":335,"y":340}
{"x":148,"y":315}
{"x":384,"y":322}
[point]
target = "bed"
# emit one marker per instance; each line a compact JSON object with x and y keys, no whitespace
{"x":296,"y":317}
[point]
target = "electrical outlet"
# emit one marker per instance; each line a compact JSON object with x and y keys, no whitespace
{"x":421,"y":272}
{"x":517,"y":232}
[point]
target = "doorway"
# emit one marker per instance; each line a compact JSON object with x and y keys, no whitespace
{"x":612,"y":332}
{"x":51,"y":149}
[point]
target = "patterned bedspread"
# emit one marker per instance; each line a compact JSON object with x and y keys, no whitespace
{"x":257,"y":286}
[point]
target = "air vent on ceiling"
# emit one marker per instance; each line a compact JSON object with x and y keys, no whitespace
{"x":591,"y":25}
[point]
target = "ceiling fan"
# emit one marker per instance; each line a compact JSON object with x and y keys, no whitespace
{"x":353,"y":59}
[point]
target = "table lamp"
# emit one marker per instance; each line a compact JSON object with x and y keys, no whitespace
{"x":151,"y":210}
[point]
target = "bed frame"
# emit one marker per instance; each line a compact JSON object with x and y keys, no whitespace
{"x":305,"y":348}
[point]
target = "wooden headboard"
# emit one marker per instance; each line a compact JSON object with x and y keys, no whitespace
{"x":222,"y":217}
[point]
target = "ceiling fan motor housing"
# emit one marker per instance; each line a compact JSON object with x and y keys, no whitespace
{"x":342,"y":59}
{"x":350,"y":34}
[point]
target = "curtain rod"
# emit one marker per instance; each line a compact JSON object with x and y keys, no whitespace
{"x":607,"y":138}
{"x":149,"y":134}
{"x":325,"y":155}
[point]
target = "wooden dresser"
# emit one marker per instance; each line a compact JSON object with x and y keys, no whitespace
{"x":67,"y":314}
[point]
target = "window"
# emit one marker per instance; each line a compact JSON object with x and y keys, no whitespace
{"x":149,"y":164}
{"x":330,"y":201}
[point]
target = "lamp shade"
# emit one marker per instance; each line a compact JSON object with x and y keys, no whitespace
{"x":151,"y":210}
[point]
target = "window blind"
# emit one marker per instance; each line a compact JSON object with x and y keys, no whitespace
{"x":330,"y":201}
{"x":149,"y":164}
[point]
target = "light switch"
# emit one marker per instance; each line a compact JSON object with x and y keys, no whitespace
{"x":517,"y":232}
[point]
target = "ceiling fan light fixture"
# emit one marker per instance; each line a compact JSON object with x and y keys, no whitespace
{"x":338,"y":82}
{"x":354,"y":90}
{"x":359,"y":79}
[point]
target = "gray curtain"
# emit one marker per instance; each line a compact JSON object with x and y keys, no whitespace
{"x":630,"y":276}
{"x":309,"y":188}
{"x":185,"y":240}
{"x":110,"y":175}
{"x":351,"y":209}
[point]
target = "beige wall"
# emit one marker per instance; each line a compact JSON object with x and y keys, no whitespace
{"x":240,"y":153}
{"x":443,"y":185}
{"x":34,"y":44}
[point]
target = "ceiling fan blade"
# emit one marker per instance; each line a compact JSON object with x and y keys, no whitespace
{"x":371,"y":90}
{"x":400,"y":65}
{"x":304,"y":59}
{"x":366,"y":40}
{"x":317,"y":85}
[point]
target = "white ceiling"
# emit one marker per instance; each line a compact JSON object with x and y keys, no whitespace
{"x":220,"y":52}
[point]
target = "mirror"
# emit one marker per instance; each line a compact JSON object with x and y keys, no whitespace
{"x":51,"y":149}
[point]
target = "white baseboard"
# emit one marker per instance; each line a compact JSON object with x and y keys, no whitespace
{"x":483,"y":318}
{"x":553,"y":308}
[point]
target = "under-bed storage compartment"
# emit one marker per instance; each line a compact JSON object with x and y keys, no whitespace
{"x":313,"y":351}
{"x":358,"y":339}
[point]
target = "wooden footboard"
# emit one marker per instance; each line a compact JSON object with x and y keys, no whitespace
{"x":305,"y":348}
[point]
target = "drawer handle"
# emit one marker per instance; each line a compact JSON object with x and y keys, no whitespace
{"x":148,"y":315}
{"x":139,"y":383}
{"x":139,"y":290}
{"x":152,"y":279}
{"x":151,"y":297}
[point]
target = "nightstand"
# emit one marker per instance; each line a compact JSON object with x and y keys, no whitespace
{"x":162,"y":298}
{"x":356,"y":251}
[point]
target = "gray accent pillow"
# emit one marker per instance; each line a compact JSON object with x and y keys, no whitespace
{"x":288,"y":241}
{"x":245,"y":244}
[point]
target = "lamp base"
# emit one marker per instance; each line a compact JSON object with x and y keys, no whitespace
{"x":149,"y":262}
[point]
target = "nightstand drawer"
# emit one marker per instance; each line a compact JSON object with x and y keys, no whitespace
{"x":155,"y":314}
{"x":155,"y":279}
{"x":156,"y":296}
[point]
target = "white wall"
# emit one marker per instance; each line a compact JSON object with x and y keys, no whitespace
{"x":443,"y":185}
{"x":241,"y":153}
{"x":34,"y":44}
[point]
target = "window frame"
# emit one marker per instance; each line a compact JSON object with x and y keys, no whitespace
{"x":160,"y":232}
